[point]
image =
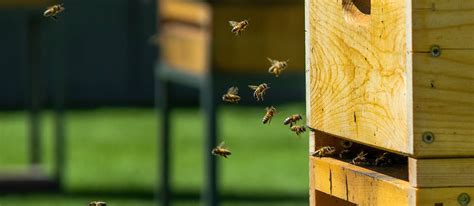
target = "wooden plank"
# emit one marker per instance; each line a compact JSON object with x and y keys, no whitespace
{"x":443,"y":100}
{"x":275,"y":31}
{"x":449,"y":24}
{"x":358,"y":185}
{"x":441,"y":196}
{"x":185,"y":48}
{"x":441,"y":172}
{"x":358,"y":76}
{"x":323,"y":199}
{"x":185,"y":11}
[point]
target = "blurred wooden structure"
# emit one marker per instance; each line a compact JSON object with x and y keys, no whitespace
{"x":199,"y":50}
{"x":36,"y":178}
{"x":396,"y":76}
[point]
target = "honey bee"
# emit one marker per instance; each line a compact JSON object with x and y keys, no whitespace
{"x":220,"y":150}
{"x":383,"y":160}
{"x":238,"y":27}
{"x":360,"y":159}
{"x":344,"y":154}
{"x":231,"y":95}
{"x":324,"y":151}
{"x":54,"y":10}
{"x":259,"y":90}
{"x":277,"y":66}
{"x":268,"y":116}
{"x":292,"y":119}
{"x":97,"y":203}
{"x":298,"y":129}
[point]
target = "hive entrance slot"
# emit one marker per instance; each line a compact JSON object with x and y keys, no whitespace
{"x":356,"y":11}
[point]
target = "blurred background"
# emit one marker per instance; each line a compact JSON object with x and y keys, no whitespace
{"x":90,"y":77}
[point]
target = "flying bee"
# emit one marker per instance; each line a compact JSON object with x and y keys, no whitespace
{"x":277,"y":66}
{"x":360,"y":159}
{"x":54,"y":10}
{"x":324,"y":151}
{"x":298,"y":129}
{"x":269,"y":115}
{"x":231,"y":95}
{"x":292,"y":119}
{"x":238,"y":26}
{"x":97,"y":203}
{"x":259,"y":90}
{"x":383,"y":160}
{"x":344,"y":154}
{"x":221,"y":150}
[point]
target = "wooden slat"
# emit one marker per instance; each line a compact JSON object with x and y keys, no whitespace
{"x":275,"y":31}
{"x":358,"y":76}
{"x":449,"y":24}
{"x":441,"y":172}
{"x":359,"y":185}
{"x":443,"y":100}
{"x":185,"y":48}
{"x":446,"y":196}
{"x":186,"y":11}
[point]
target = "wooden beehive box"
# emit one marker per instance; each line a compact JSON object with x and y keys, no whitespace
{"x":196,"y":36}
{"x":393,"y":74}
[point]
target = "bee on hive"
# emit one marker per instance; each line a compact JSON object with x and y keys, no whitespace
{"x":231,"y":95}
{"x":383,"y":160}
{"x":292,"y":119}
{"x":259,"y":90}
{"x":360,"y":159}
{"x":54,"y":10}
{"x":269,"y":115}
{"x":324,"y":151}
{"x":277,"y":66}
{"x":221,"y":150}
{"x":298,"y":129}
{"x":97,"y":203}
{"x":238,"y":26}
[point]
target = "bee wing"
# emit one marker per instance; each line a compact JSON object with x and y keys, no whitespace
{"x":233,"y":90}
{"x":222,"y":144}
{"x":271,"y":60}
{"x":233,"y":23}
{"x":253,"y":87}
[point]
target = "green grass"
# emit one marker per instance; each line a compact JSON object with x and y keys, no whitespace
{"x":115,"y":151}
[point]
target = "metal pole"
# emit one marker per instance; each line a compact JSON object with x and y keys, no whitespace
{"x":209,"y":104}
{"x":162,"y":95}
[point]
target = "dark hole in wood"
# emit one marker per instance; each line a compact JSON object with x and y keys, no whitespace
{"x":438,"y":204}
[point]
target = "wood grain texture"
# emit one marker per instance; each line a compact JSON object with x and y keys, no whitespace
{"x":360,"y":186}
{"x":275,"y":31}
{"x":452,"y":172}
{"x":447,"y":196}
{"x":358,"y":76}
{"x":443,"y":100}
{"x":185,"y":48}
{"x":449,"y":24}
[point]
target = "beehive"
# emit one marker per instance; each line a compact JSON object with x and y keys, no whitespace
{"x":397,"y":75}
{"x":393,"y":76}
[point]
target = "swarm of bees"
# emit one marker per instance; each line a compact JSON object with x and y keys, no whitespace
{"x":97,"y":203}
{"x":53,"y":11}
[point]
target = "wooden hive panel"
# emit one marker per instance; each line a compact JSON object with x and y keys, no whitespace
{"x":357,"y":77}
{"x":372,"y":77}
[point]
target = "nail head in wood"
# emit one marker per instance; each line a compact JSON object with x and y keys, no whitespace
{"x":435,"y":51}
{"x":464,"y":199}
{"x":428,"y":137}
